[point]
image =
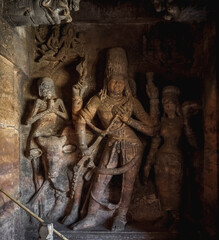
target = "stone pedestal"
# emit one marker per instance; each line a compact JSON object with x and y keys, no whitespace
{"x":102,"y":233}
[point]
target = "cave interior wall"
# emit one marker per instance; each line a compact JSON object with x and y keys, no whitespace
{"x":179,"y":53}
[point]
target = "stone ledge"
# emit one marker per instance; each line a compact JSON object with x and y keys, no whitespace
{"x":101,"y":233}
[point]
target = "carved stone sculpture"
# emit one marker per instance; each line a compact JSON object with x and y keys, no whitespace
{"x":115,"y":107}
{"x":50,"y":47}
{"x":79,"y":171}
{"x":57,"y":172}
{"x":39,"y":12}
{"x":75,"y":4}
{"x":79,"y":89}
{"x":47,"y":114}
{"x":177,"y":11}
{"x":46,"y":120}
{"x":167,"y":158}
{"x":62,"y":43}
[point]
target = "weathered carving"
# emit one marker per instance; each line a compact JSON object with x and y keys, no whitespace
{"x":57,"y":172}
{"x":159,"y":5}
{"x":39,"y":12}
{"x":48,"y":48}
{"x":81,"y":168}
{"x":115,"y":105}
{"x":177,"y":11}
{"x":167,"y":158}
{"x":56,"y":11}
{"x":79,"y":89}
{"x":75,"y":4}
{"x":46,"y":120}
{"x":61,"y":44}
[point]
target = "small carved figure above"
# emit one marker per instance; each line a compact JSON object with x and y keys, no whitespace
{"x":74,"y":4}
{"x":175,"y":10}
{"x":56,"y":11}
{"x":62,"y":43}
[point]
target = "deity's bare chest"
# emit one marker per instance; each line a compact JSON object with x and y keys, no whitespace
{"x":108,"y":109}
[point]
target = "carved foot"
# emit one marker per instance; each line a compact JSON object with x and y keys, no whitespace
{"x":119,"y":223}
{"x":51,"y":215}
{"x":55,"y":212}
{"x":87,"y":222}
{"x":70,"y":219}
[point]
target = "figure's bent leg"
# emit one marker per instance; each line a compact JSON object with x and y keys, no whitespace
{"x":37,"y":176}
{"x":97,"y":192}
{"x":60,"y":201}
{"x":74,"y":214}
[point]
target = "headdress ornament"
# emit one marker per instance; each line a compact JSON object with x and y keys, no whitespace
{"x":170,"y":90}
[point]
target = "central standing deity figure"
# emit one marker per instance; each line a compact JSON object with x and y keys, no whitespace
{"x":122,"y":154}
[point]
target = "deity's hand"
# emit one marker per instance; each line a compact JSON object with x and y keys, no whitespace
{"x":123,"y":114}
{"x":81,"y":68}
{"x":85,"y":151}
{"x":76,"y":89}
{"x":50,"y":110}
{"x":51,"y":106}
{"x":91,"y":164}
{"x":152,"y":90}
{"x":124,"y":117}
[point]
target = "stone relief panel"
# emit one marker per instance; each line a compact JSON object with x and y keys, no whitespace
{"x":58,"y":44}
{"x":183,"y":11}
{"x":89,"y":169}
{"x":115,"y":105}
{"x":39,"y":12}
{"x":167,"y":156}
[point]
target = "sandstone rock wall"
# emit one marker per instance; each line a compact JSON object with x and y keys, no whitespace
{"x":13,"y":66}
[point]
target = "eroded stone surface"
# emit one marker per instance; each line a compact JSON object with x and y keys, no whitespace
{"x":9,"y":103}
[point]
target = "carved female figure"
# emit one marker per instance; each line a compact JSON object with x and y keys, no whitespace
{"x":168,"y":159}
{"x":114,"y":107}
